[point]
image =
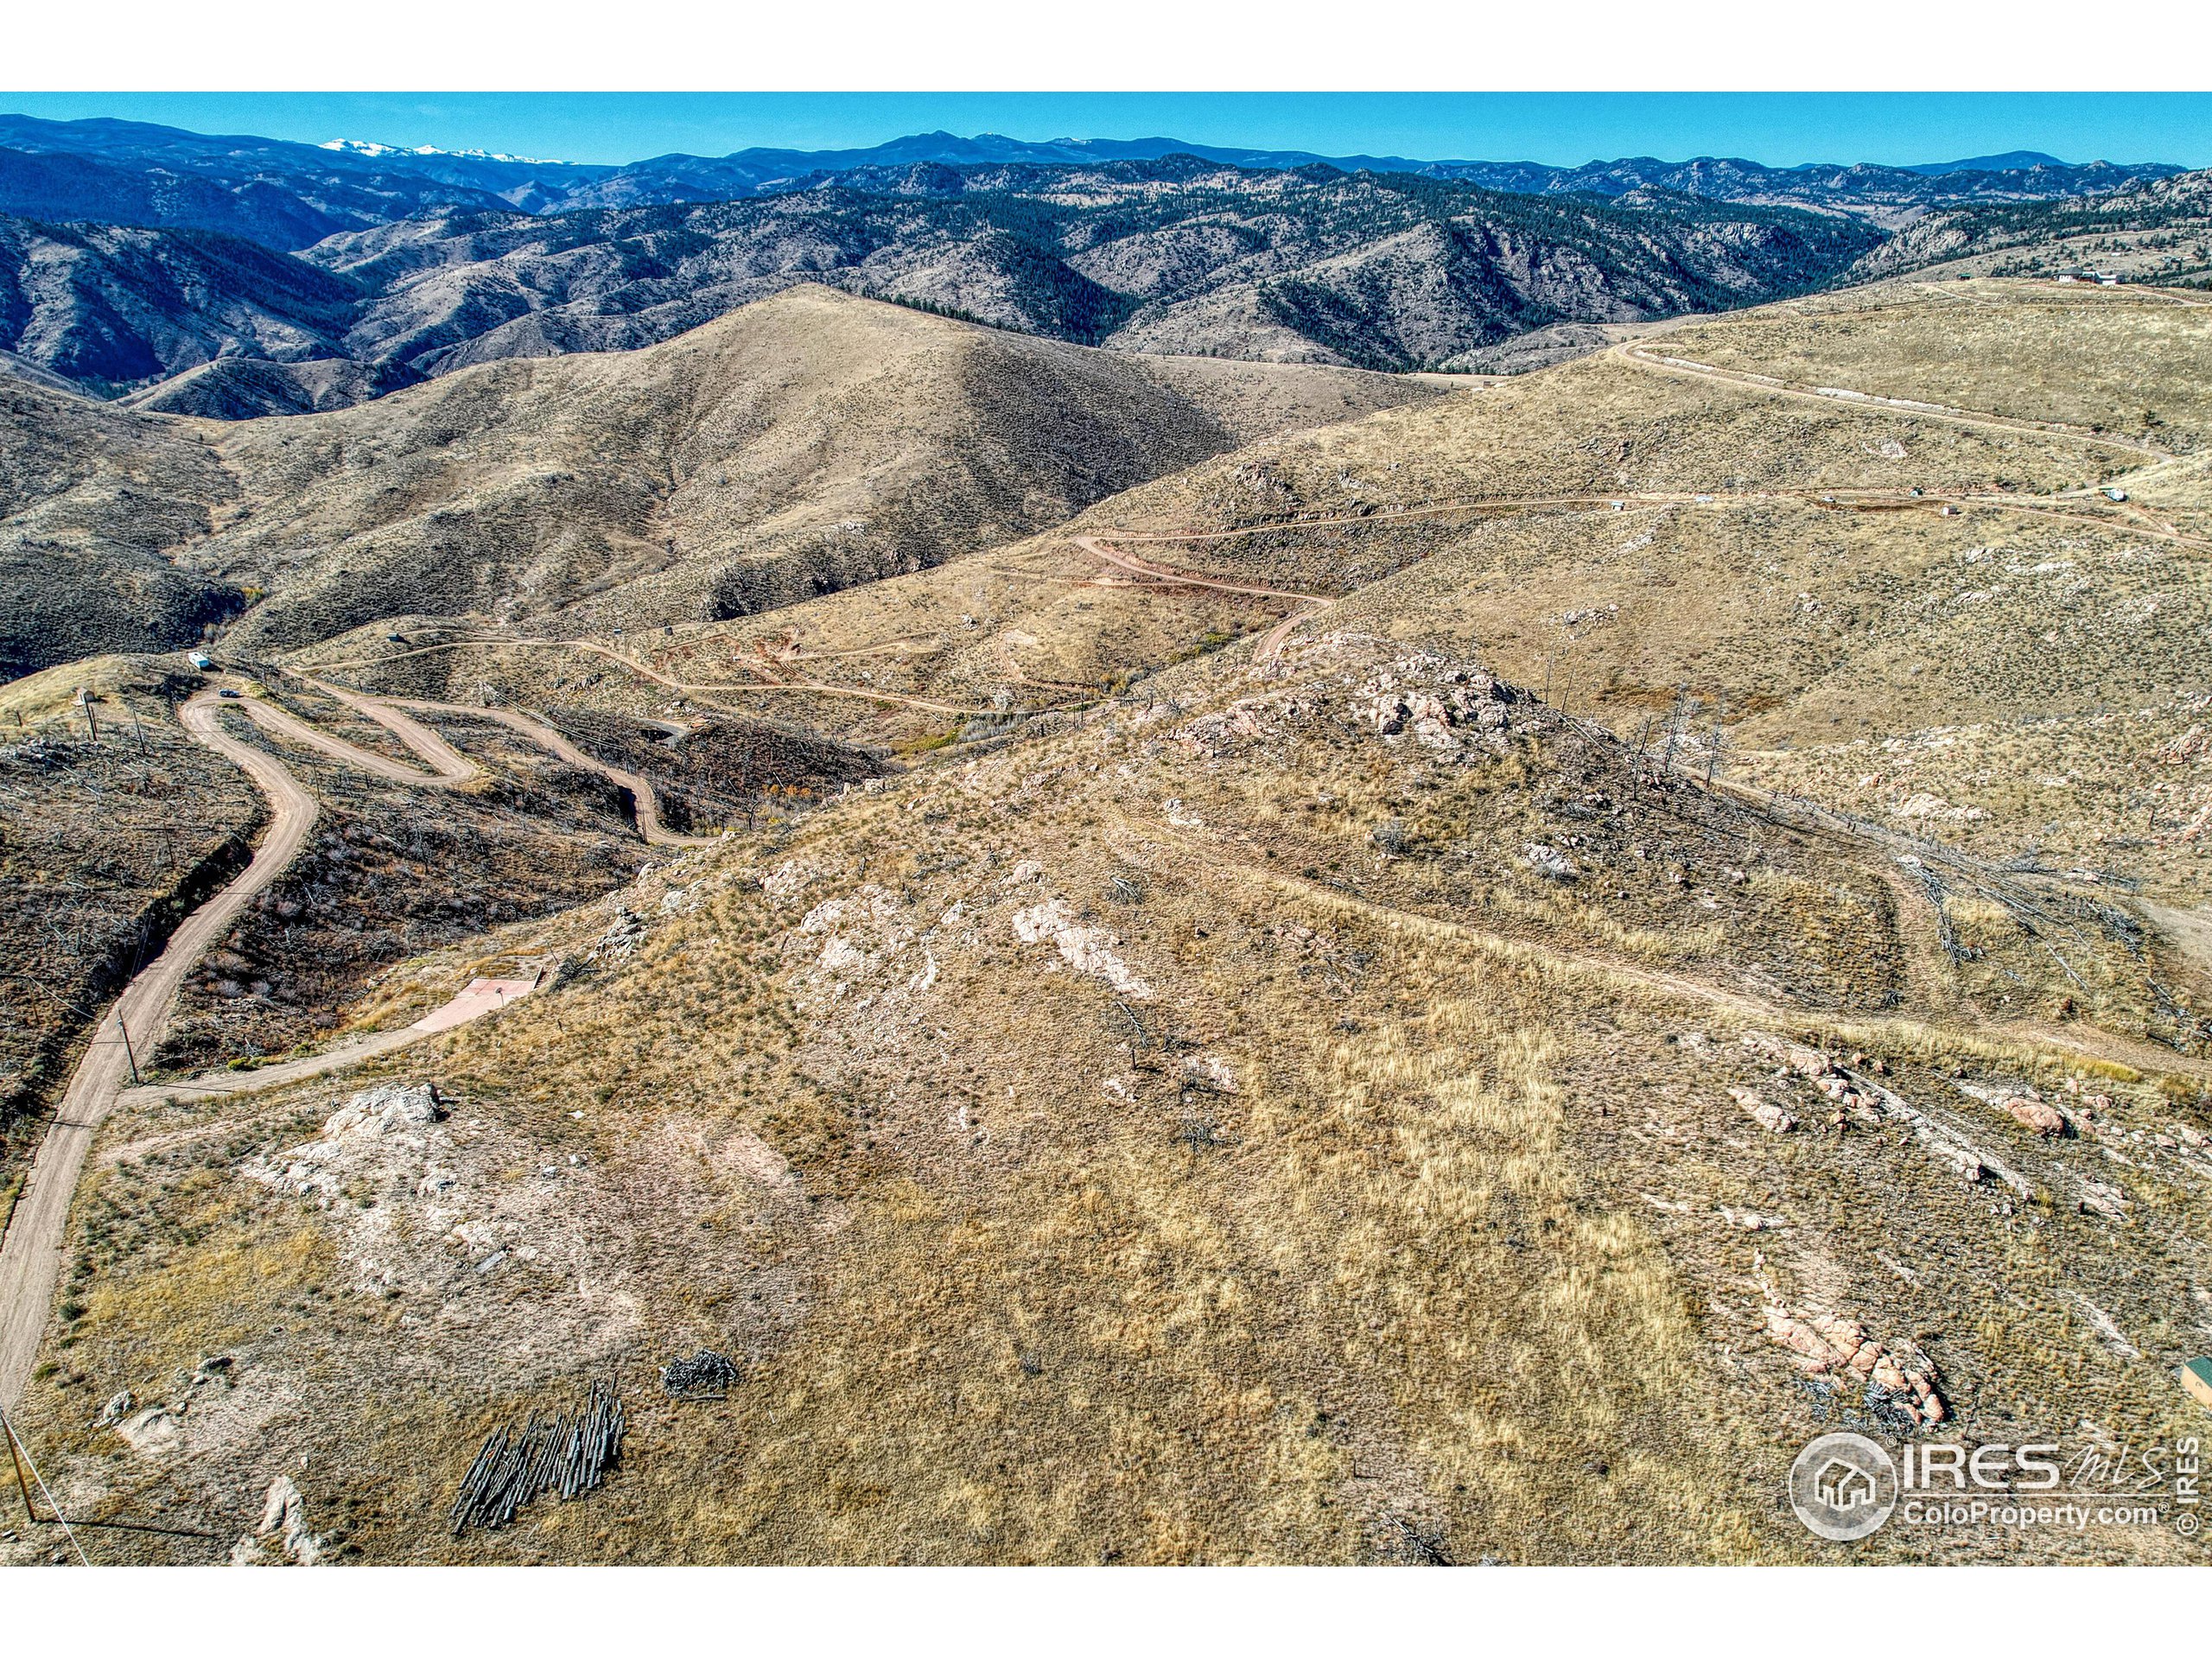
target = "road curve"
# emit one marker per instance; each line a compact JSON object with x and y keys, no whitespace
{"x":30,"y":1249}
{"x":1167,"y":575}
{"x":553,"y":743}
{"x":448,"y":765}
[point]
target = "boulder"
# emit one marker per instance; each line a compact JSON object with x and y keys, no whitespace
{"x":1549,"y":862}
{"x":1768,"y":1116}
{"x":283,"y":1528}
{"x":387,"y":1108}
{"x":2035,"y":1114}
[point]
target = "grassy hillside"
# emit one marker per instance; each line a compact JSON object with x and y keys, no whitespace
{"x":793,"y":447}
{"x":1453,"y":986}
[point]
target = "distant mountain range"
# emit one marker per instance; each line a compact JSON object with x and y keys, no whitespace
{"x":235,"y":277}
{"x":1180,"y":256}
{"x":290,"y":195}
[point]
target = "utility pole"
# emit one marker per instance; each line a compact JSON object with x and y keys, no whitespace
{"x":129,"y":1055}
{"x":18,"y":1451}
{"x":30,"y":1509}
{"x":1674,"y":731}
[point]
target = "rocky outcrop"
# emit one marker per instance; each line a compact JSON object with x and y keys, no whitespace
{"x":283,"y":1535}
{"x":1856,"y":1094}
{"x":1448,"y":708}
{"x":1087,"y":950}
{"x":2022,"y":1104}
{"x":1763,"y":1111}
{"x":1898,"y":1379}
{"x":1451,"y":709}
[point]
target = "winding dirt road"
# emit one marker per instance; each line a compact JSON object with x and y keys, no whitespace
{"x":1689,"y":368}
{"x":31,"y":1249}
{"x":767,"y":685}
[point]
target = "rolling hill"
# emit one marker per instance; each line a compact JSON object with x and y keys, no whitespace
{"x":794,"y":447}
{"x":1451,"y":985}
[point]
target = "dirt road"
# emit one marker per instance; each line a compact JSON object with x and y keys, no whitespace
{"x":1219,"y":855}
{"x":30,"y":1250}
{"x":768,"y":685}
{"x":641,"y":790}
{"x":1690,"y":369}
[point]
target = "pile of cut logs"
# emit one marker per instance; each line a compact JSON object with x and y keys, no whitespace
{"x":568,"y":1452}
{"x":706,"y":1376}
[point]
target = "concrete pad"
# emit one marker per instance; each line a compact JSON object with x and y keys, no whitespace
{"x":478,"y":997}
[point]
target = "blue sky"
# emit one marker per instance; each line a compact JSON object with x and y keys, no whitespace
{"x":1562,"y":128}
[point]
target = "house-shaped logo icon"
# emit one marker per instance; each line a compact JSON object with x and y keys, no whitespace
{"x":1843,"y":1485}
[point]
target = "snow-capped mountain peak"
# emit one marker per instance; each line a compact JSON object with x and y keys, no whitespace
{"x":366,"y":147}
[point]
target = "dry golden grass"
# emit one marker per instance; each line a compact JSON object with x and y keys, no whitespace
{"x":2118,"y":361}
{"x":1402,"y":1210}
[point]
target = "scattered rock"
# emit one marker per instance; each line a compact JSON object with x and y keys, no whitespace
{"x":2191,"y":744}
{"x":119,"y":1406}
{"x":2102,"y":1199}
{"x":1804,"y":1061}
{"x":1210,"y":1072}
{"x":1768,"y":1116}
{"x":621,"y":937}
{"x":283,"y":1528}
{"x":1549,"y":863}
{"x":1855,"y":1091}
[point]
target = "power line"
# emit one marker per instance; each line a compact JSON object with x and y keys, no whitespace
{"x":17,"y":1449}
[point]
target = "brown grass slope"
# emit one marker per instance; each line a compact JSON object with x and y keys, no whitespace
{"x":1203,"y":1136}
{"x":805,"y":443}
{"x":2009,"y":657}
{"x":90,"y":498}
{"x":797,"y":446}
{"x":1300,"y":1109}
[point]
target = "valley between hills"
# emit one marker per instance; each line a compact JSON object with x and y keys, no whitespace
{"x":1172,"y":959}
